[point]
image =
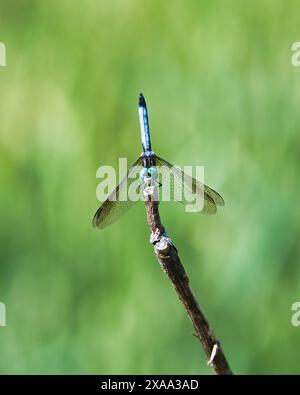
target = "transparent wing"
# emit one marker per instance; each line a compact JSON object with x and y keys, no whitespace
{"x":185,"y":183}
{"x":113,"y":208}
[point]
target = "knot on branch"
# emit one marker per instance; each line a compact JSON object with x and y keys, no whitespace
{"x":155,"y":236}
{"x":163,"y":245}
{"x":213,"y":353}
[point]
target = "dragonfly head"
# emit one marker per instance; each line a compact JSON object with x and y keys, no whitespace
{"x":148,"y":173}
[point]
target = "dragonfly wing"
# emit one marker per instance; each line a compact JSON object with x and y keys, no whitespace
{"x":113,"y":208}
{"x":185,"y":182}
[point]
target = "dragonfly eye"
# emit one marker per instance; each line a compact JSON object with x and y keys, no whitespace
{"x":152,"y":172}
{"x":144,"y":173}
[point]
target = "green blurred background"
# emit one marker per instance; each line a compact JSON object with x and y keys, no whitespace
{"x":222,"y":93}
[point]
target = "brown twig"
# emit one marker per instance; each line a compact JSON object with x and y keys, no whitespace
{"x":168,"y":258}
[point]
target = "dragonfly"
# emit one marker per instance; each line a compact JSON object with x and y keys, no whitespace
{"x":114,"y":207}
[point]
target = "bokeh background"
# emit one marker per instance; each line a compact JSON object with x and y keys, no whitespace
{"x":222,"y":93}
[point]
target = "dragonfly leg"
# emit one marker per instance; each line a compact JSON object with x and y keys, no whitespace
{"x":150,"y":188}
